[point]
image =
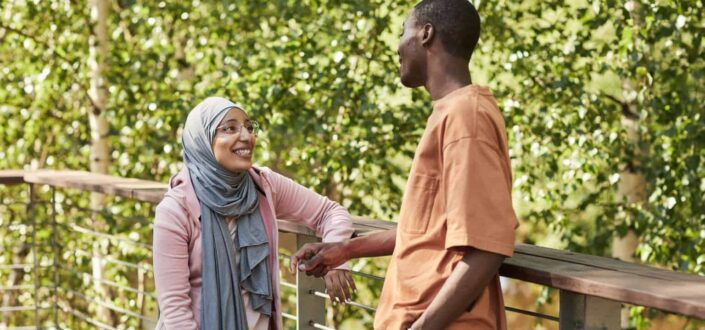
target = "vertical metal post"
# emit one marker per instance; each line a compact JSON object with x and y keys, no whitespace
{"x":309,"y":308}
{"x":583,"y":312}
{"x":55,"y":247}
{"x":31,"y":211}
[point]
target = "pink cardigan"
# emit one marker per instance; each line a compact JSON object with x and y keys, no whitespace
{"x":177,"y":239}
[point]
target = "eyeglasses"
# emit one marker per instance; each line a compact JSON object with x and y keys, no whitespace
{"x":233,"y":128}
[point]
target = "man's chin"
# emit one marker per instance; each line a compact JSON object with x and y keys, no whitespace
{"x":410,"y":83}
{"x":405,"y":80}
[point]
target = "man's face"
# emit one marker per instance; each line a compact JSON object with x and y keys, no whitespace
{"x":412,"y":55}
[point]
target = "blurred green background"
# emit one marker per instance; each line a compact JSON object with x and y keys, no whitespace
{"x":603,"y":101}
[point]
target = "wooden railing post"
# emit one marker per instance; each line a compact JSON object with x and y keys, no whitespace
{"x":55,"y":250}
{"x":32,"y":212}
{"x":310,"y":309}
{"x":583,"y":312}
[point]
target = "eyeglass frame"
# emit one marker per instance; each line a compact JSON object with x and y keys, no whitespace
{"x":255,"y":128}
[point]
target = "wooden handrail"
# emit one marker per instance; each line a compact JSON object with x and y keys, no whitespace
{"x":11,"y":177}
{"x":612,"y":279}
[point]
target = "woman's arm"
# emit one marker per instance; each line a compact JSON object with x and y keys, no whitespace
{"x":330,"y":220}
{"x":296,"y":203}
{"x":171,"y":265}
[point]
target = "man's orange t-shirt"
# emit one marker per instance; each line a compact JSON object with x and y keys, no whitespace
{"x":458,"y":195}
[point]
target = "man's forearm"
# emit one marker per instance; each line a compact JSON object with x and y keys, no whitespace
{"x":465,"y":284}
{"x":316,"y":259}
{"x":373,"y":245}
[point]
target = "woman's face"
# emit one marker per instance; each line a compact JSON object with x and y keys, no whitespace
{"x":234,"y":141}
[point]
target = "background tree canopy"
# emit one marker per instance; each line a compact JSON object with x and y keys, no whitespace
{"x":603,"y":102}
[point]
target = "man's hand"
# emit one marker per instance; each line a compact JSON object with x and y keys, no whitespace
{"x":339,"y":285}
{"x":411,"y":324}
{"x":317,"y":259}
{"x":416,"y":325}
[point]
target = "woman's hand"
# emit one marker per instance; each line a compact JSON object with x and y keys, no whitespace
{"x":339,"y":285}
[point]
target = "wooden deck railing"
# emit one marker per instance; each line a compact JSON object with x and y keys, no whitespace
{"x":592,"y":289}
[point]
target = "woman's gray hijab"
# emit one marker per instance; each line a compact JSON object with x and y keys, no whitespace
{"x":221,"y":194}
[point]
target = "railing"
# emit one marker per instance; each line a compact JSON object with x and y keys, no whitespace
{"x":69,"y":266}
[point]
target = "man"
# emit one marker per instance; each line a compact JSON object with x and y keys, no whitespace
{"x":457,"y":223}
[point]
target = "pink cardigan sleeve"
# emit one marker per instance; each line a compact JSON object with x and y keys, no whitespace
{"x":296,"y":203}
{"x":171,"y":265}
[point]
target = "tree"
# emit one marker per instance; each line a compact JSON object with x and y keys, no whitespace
{"x":603,"y":103}
{"x":321,"y":77}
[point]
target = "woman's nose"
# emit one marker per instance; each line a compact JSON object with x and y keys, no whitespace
{"x":245,"y":135}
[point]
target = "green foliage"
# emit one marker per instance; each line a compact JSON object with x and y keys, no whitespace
{"x":568,"y":76}
{"x":321,"y":78}
{"x":668,"y":67}
{"x":565,"y":134}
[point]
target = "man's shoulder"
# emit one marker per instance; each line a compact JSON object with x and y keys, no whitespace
{"x":472,"y":119}
{"x":465,"y":104}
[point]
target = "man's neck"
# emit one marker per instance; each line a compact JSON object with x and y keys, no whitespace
{"x":446,"y":75}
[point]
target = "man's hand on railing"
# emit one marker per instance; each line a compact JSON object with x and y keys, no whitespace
{"x":339,"y":285}
{"x":317,"y":259}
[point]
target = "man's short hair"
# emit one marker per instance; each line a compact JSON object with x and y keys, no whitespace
{"x":456,"y":22}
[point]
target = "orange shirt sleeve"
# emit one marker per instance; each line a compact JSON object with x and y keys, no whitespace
{"x":479,"y":210}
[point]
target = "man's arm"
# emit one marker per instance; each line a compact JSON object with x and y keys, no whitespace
{"x":318,"y":258}
{"x":465,"y":284}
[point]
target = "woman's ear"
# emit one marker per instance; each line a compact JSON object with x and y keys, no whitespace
{"x":428,"y":34}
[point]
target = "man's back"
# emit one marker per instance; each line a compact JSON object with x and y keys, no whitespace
{"x":457,"y":222}
{"x":458,"y":196}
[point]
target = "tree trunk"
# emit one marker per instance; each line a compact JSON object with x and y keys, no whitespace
{"x":630,"y":190}
{"x":331,"y":190}
{"x":99,"y":127}
{"x":98,"y":92}
{"x":632,"y":185}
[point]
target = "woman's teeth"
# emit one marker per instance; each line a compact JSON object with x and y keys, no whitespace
{"x":243,"y":152}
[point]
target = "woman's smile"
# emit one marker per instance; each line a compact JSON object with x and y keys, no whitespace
{"x":245,"y":152}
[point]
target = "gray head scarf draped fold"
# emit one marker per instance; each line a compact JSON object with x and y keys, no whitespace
{"x":221,"y":194}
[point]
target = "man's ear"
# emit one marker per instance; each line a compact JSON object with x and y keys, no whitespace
{"x":428,"y":33}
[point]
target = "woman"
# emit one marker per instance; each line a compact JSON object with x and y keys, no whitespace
{"x":215,"y":232}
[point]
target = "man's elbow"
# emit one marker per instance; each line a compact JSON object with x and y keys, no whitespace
{"x":479,"y":258}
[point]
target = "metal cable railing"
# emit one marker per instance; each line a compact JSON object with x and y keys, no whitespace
{"x":57,"y":245}
{"x":66,"y":265}
{"x":66,"y":240}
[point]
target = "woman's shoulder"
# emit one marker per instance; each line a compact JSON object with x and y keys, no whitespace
{"x":269,"y":174}
{"x":263,"y":175}
{"x":179,"y":203}
{"x":269,"y":180}
{"x":263,"y":171}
